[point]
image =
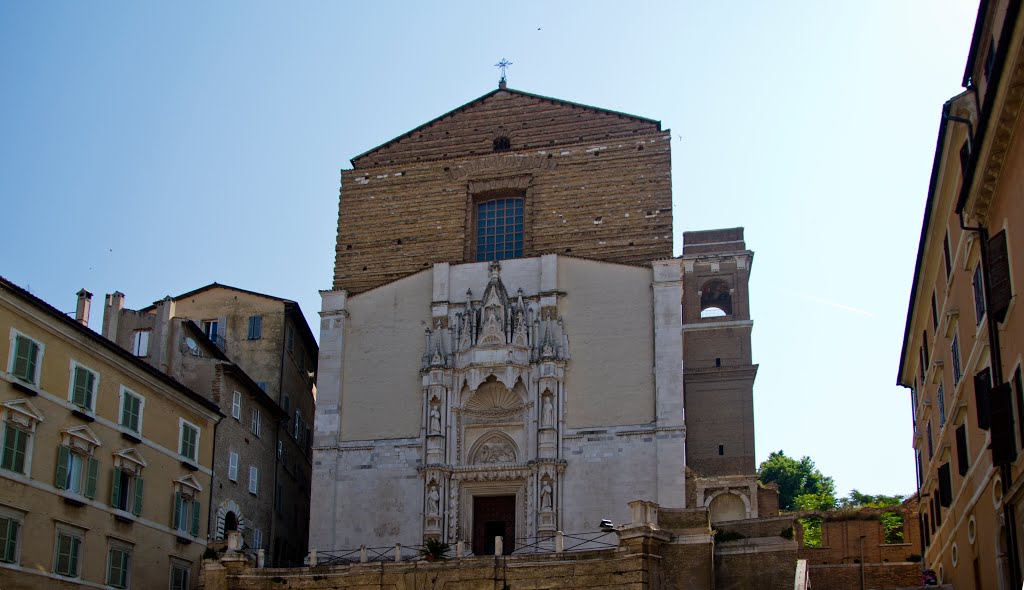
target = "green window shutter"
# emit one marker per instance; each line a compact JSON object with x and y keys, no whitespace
{"x":195,"y":518}
{"x":63,"y":464}
{"x":91,"y":476}
{"x":115,"y":488}
{"x":20,"y":445}
{"x":33,"y":354}
{"x":82,"y":388}
{"x":177,"y":511}
{"x":12,"y":541}
{"x":8,"y":535}
{"x":73,"y":560}
{"x":25,"y":355}
{"x":7,"y":462}
{"x":137,"y":505}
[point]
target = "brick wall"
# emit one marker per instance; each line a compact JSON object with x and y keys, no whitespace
{"x":596,"y":185}
{"x":876,"y":575}
{"x":774,"y":570}
{"x":606,"y":569}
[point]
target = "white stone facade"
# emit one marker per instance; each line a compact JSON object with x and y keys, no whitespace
{"x":552,"y":379}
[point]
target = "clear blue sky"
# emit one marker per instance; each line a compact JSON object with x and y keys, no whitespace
{"x":156,"y":147}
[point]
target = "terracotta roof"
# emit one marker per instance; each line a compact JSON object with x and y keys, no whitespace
{"x":108,"y":344}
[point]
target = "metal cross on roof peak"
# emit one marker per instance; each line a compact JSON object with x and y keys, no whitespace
{"x":502,"y":65}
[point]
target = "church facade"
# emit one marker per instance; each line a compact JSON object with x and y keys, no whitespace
{"x":509,"y":348}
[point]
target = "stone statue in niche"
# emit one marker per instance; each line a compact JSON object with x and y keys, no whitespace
{"x":547,"y":418}
{"x":495,"y":451}
{"x":435,"y":420}
{"x":545,"y":495}
{"x":433,"y":500}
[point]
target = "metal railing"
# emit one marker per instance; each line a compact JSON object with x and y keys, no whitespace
{"x":559,"y":542}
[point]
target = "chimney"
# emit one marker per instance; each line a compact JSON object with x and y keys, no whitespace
{"x":162,"y":333}
{"x":82,"y":309}
{"x":112,"y":313}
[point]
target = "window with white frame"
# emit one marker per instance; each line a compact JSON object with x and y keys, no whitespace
{"x":131,"y":410}
{"x":257,"y":539}
{"x":236,"y":405}
{"x":140,"y":342}
{"x":233,"y":466}
{"x":20,"y":418}
{"x":255,"y":327}
{"x":254,"y":424}
{"x":77,"y":467}
{"x":180,"y":571}
{"x":954,"y":348}
{"x":212,"y":329}
{"x":84,"y":385}
{"x":67,"y":551}
{"x":119,"y":561}
{"x":187,"y":508}
{"x":127,"y":484}
{"x":188,"y":440}
{"x":10,"y":535}
{"x":254,"y":479}
{"x":26,"y":356}
{"x":300,"y":427}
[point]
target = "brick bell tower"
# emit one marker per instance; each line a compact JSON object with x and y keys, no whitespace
{"x":718,"y":375}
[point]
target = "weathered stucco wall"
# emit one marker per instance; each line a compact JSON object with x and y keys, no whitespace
{"x":609,"y":317}
{"x":383,"y":351}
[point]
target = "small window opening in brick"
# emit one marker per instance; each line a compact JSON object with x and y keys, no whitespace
{"x":568,"y":250}
{"x":892,"y":527}
{"x":398,"y":242}
{"x":632,"y":244}
{"x":718,"y":362}
{"x":640,"y":148}
{"x":348,"y":246}
{"x":550,"y":156}
{"x":721,"y":449}
{"x":364,"y":268}
{"x":502,"y":143}
{"x":598,"y":220}
{"x":715,"y":299}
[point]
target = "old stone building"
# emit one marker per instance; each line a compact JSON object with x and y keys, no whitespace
{"x":509,"y":348}
{"x":962,"y":348}
{"x":105,"y":474}
{"x":254,"y":356}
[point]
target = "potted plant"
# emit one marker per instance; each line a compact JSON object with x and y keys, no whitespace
{"x":435,"y":549}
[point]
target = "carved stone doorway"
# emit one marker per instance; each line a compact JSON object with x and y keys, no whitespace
{"x":494,"y":516}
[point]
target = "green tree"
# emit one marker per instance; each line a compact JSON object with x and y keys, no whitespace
{"x":801,"y":485}
{"x":856,"y":499}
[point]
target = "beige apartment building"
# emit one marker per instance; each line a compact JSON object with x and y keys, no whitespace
{"x":253,"y":355}
{"x":963,"y":344}
{"x":106,"y":464}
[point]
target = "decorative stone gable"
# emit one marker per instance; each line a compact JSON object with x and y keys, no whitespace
{"x":493,"y":384}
